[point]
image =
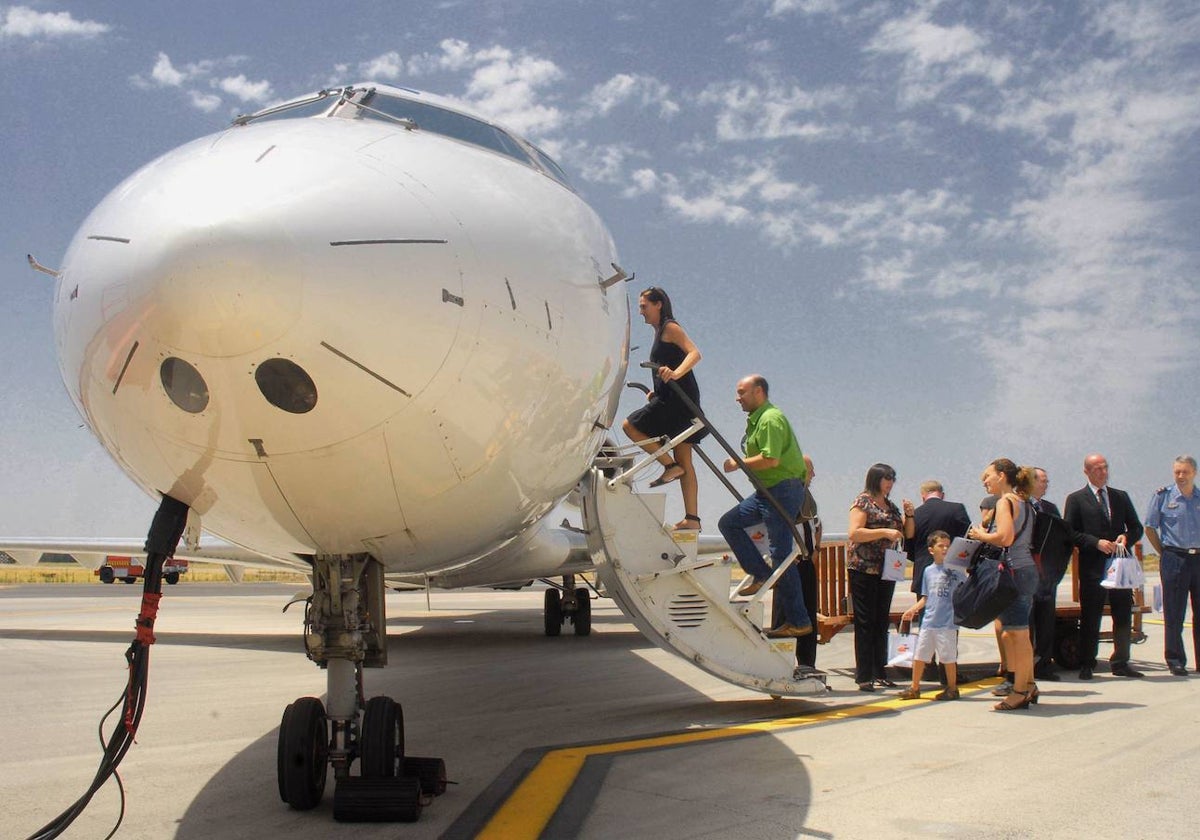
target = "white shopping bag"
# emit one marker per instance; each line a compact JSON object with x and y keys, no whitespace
{"x":1123,"y":571}
{"x":900,"y":649}
{"x":893,"y":564}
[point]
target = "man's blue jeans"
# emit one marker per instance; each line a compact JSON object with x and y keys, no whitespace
{"x":754,"y":510}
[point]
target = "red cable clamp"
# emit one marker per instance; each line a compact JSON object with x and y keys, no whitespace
{"x":145,"y":620}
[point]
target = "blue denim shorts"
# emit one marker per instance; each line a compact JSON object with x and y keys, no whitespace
{"x":1016,"y":614}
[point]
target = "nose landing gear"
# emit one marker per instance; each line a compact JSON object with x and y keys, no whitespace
{"x":344,"y":632}
{"x":567,"y":604}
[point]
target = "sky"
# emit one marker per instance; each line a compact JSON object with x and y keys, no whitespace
{"x":944,"y":231}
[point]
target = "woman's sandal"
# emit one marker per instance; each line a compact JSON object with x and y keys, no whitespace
{"x":1027,"y":698}
{"x":671,"y":472}
{"x":685,"y":523}
{"x":910,"y":694}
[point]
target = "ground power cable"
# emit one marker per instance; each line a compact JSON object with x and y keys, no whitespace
{"x":165,"y":531}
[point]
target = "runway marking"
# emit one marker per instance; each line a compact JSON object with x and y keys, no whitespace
{"x":536,"y":796}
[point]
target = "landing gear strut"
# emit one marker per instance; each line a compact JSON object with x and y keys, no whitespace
{"x":568,"y":603}
{"x":344,"y":633}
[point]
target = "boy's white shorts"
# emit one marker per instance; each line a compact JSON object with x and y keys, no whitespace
{"x":940,"y":640}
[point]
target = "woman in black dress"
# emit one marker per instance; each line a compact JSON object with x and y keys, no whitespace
{"x":664,"y":413}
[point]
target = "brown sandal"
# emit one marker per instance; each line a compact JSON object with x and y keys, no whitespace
{"x":1005,"y":706}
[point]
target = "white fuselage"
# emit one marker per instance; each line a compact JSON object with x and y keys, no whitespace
{"x":444,"y":300}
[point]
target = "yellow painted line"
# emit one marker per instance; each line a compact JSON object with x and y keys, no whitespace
{"x":529,"y":808}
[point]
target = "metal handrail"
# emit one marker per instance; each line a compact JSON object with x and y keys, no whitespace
{"x":698,"y":414}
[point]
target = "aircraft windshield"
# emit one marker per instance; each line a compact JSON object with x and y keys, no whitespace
{"x":440,"y":121}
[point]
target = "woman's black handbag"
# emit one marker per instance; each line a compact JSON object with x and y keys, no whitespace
{"x":987,"y":592}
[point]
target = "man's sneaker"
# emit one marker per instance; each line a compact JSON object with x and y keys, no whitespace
{"x":789,"y":631}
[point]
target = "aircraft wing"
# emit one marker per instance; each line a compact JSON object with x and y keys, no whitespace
{"x":549,"y":552}
{"x":91,"y":552}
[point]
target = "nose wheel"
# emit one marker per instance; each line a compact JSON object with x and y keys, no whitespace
{"x":567,"y":604}
{"x":303,"y":755}
{"x":381,"y":751}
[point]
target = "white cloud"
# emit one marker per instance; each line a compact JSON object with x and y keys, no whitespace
{"x":509,"y":87}
{"x":647,"y":91}
{"x":166,"y":74}
{"x":387,"y":66}
{"x":206,"y":102}
{"x":806,"y":7}
{"x":600,"y":163}
{"x":24,"y":22}
{"x":890,"y":273}
{"x":746,"y":111}
{"x":936,"y":57}
{"x":455,"y":55}
{"x":642,"y":181}
{"x":244,"y":89}
{"x":197,"y":80}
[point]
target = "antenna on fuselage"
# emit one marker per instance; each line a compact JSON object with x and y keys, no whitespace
{"x":616,"y":278}
{"x":37,"y":266}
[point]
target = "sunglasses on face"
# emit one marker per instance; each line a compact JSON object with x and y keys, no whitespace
{"x":890,"y":476}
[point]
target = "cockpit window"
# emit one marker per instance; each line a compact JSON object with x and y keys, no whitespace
{"x":427,"y":117}
{"x":548,"y":164}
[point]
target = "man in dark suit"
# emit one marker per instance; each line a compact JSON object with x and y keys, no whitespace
{"x":1103,"y":519}
{"x":1053,"y":551}
{"x":934,"y":514}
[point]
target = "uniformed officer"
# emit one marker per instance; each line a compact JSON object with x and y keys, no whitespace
{"x":1173,"y":528}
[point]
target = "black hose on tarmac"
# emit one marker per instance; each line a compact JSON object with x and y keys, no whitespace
{"x":161,"y":542}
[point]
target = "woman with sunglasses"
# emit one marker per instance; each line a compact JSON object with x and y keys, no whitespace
{"x":664,"y":413}
{"x":876,"y":524}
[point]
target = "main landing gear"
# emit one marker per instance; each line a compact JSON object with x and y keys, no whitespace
{"x":344,"y":632}
{"x":568,"y":603}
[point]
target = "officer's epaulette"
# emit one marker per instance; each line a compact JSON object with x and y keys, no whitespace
{"x":1162,"y":489}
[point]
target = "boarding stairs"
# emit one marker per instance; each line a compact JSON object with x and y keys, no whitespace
{"x":683,"y":603}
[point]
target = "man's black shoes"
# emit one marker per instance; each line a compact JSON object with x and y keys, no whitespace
{"x":1085,"y":673}
{"x":1178,"y":671}
{"x":1126,"y":671}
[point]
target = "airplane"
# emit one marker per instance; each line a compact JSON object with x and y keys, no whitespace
{"x":371,"y":335}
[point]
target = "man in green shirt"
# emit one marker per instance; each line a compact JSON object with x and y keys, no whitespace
{"x":772,"y":452}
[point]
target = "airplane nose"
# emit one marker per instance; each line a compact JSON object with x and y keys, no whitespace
{"x":254,"y":245}
{"x":221,"y":292}
{"x":212,"y":258}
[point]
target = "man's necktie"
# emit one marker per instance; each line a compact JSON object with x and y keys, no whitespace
{"x":1103,"y":499}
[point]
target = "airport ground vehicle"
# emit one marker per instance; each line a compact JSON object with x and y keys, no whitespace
{"x":117,"y":567}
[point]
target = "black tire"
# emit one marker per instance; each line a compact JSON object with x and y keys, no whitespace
{"x":583,"y":613}
{"x":430,"y":772}
{"x":1066,"y":645}
{"x":129,"y":579}
{"x":171,"y":578}
{"x":381,"y":748}
{"x":377,"y":800}
{"x":106,"y":574}
{"x":303,"y":756}
{"x":552,"y":612}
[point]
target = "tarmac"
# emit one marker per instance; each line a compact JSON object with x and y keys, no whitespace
{"x":592,"y":737}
